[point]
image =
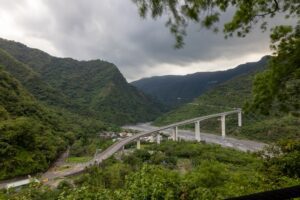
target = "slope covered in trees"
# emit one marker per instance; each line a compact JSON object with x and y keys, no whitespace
{"x":93,"y":88}
{"x":44,"y":111}
{"x":175,"y":90}
{"x":31,"y":135}
{"x":227,"y":96}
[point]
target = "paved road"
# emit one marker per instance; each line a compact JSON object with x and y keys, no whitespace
{"x":147,"y":129}
{"x":242,"y":145}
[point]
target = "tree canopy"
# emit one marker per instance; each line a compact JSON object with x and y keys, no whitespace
{"x":207,"y":13}
{"x":278,"y":87}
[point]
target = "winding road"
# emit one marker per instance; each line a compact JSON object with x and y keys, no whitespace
{"x":239,"y":144}
{"x":146,"y":130}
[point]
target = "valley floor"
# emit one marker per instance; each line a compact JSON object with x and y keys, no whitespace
{"x":60,"y":170}
{"x":239,"y":144}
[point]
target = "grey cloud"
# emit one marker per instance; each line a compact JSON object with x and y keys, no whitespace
{"x":112,"y":30}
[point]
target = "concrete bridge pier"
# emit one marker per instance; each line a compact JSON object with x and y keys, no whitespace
{"x":197,"y":131}
{"x":138,"y":143}
{"x":240,"y":118}
{"x":223,"y":126}
{"x":175,"y":133}
{"x":158,"y":138}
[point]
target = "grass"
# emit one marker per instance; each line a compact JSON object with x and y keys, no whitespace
{"x":81,"y":159}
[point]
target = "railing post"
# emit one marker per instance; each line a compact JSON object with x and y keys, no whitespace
{"x":197,"y":131}
{"x":158,"y":138}
{"x":138,"y":143}
{"x":240,"y":118}
{"x":223,"y":126}
{"x":175,"y":133}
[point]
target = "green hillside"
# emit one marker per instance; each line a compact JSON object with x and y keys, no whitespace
{"x":32,"y":81}
{"x":47,"y":103}
{"x":176,"y":90}
{"x":92,"y":88}
{"x":234,"y":94}
{"x":31,"y":135}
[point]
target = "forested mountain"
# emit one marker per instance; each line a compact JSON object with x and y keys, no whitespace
{"x":93,"y":88}
{"x":175,"y":90}
{"x":227,"y":96}
{"x":46,"y":103}
{"x":31,"y":135}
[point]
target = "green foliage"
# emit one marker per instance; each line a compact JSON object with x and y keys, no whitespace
{"x":277,"y":89}
{"x":216,"y":173}
{"x":231,"y":94}
{"x":87,"y":145}
{"x":81,"y":159}
{"x":94,"y":89}
{"x":271,"y":129}
{"x":175,"y":90}
{"x":207,"y":14}
{"x":283,"y":158}
{"x":33,"y":135}
{"x":235,"y":93}
{"x":152,"y":182}
{"x":48,"y":103}
{"x":30,"y":136}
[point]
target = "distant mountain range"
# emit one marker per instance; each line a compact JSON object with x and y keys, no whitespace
{"x":174,"y":90}
{"x":227,"y":96}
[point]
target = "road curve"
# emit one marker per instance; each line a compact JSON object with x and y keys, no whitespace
{"x":244,"y":145}
{"x":238,"y":144}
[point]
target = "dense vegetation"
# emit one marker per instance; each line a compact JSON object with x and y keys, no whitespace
{"x":92,"y":88}
{"x":48,"y":103}
{"x":279,"y":85}
{"x":172,"y":170}
{"x":278,"y":88}
{"x":33,"y":133}
{"x":31,"y":136}
{"x":175,"y":90}
{"x":227,"y":96}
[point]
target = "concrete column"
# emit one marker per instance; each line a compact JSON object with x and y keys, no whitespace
{"x":223,"y":126}
{"x":158,"y":138}
{"x":138,"y":143}
{"x":175,"y":133}
{"x":197,"y":131}
{"x":240,"y":118}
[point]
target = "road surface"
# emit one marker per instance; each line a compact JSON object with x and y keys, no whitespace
{"x":147,"y":129}
{"x":242,"y":145}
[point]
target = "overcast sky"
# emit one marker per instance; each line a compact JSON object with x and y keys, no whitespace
{"x":112,"y":30}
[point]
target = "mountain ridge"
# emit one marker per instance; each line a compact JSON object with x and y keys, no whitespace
{"x":80,"y":83}
{"x":175,"y":90}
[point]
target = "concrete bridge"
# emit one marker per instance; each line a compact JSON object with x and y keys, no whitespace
{"x":174,"y":127}
{"x":50,"y":175}
{"x":121,"y":144}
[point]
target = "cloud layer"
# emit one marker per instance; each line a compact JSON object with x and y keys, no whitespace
{"x":112,"y":30}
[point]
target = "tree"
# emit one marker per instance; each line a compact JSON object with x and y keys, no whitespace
{"x":280,"y":84}
{"x":278,"y":88}
{"x":207,"y":13}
